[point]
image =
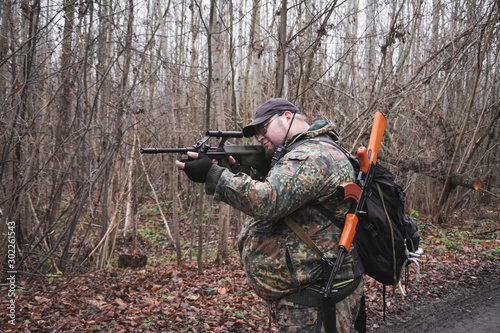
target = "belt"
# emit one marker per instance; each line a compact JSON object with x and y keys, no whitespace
{"x":312,"y":296}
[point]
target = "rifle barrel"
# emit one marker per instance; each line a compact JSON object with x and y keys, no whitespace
{"x":165,"y":150}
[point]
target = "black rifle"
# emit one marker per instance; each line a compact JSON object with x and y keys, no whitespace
{"x":251,"y":159}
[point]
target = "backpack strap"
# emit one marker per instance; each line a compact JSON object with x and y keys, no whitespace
{"x":392,"y":237}
{"x":282,"y":151}
{"x":326,"y":213}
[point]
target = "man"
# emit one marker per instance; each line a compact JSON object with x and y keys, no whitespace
{"x":306,"y":170}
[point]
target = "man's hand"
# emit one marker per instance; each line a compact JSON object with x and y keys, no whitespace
{"x":196,"y":167}
{"x":234,"y":165}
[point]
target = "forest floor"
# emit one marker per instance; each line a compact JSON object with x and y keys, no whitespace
{"x":460,"y":274}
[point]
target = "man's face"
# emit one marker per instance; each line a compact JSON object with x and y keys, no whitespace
{"x":271,"y":133}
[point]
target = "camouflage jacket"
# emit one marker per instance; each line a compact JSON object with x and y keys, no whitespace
{"x":275,"y":260}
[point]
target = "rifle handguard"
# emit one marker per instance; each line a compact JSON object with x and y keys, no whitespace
{"x":351,"y":221}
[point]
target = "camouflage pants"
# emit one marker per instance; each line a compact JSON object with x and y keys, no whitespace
{"x":295,"y":318}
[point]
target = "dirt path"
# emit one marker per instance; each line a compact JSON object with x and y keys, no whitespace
{"x":466,"y":311}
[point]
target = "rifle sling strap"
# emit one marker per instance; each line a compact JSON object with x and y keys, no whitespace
{"x":290,"y":222}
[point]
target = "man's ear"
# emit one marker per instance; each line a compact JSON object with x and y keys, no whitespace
{"x":288,"y":115}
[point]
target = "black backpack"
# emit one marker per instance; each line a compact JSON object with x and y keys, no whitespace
{"x":385,"y":236}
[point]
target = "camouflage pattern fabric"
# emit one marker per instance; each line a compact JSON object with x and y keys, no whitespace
{"x":295,"y":318}
{"x":276,"y":261}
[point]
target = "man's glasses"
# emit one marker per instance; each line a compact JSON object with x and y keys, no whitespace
{"x":262,"y":130}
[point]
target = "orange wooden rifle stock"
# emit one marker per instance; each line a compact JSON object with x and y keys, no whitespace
{"x":367,"y":161}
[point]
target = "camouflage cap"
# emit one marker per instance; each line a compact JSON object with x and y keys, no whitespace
{"x":266,"y":111}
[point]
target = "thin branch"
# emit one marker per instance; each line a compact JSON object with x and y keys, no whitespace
{"x":154,"y":194}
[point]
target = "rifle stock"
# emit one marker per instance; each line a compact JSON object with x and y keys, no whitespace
{"x":376,"y":135}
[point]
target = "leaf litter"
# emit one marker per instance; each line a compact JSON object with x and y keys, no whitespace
{"x":165,"y":297}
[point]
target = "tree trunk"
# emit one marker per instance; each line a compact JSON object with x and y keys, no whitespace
{"x":64,"y":112}
{"x":130,"y":176}
{"x":253,"y":55}
{"x":132,"y":260}
{"x":282,"y":50}
{"x":175,"y":211}
{"x":4,"y":40}
{"x":200,"y":228}
{"x":224,"y":221}
{"x":463,"y":180}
